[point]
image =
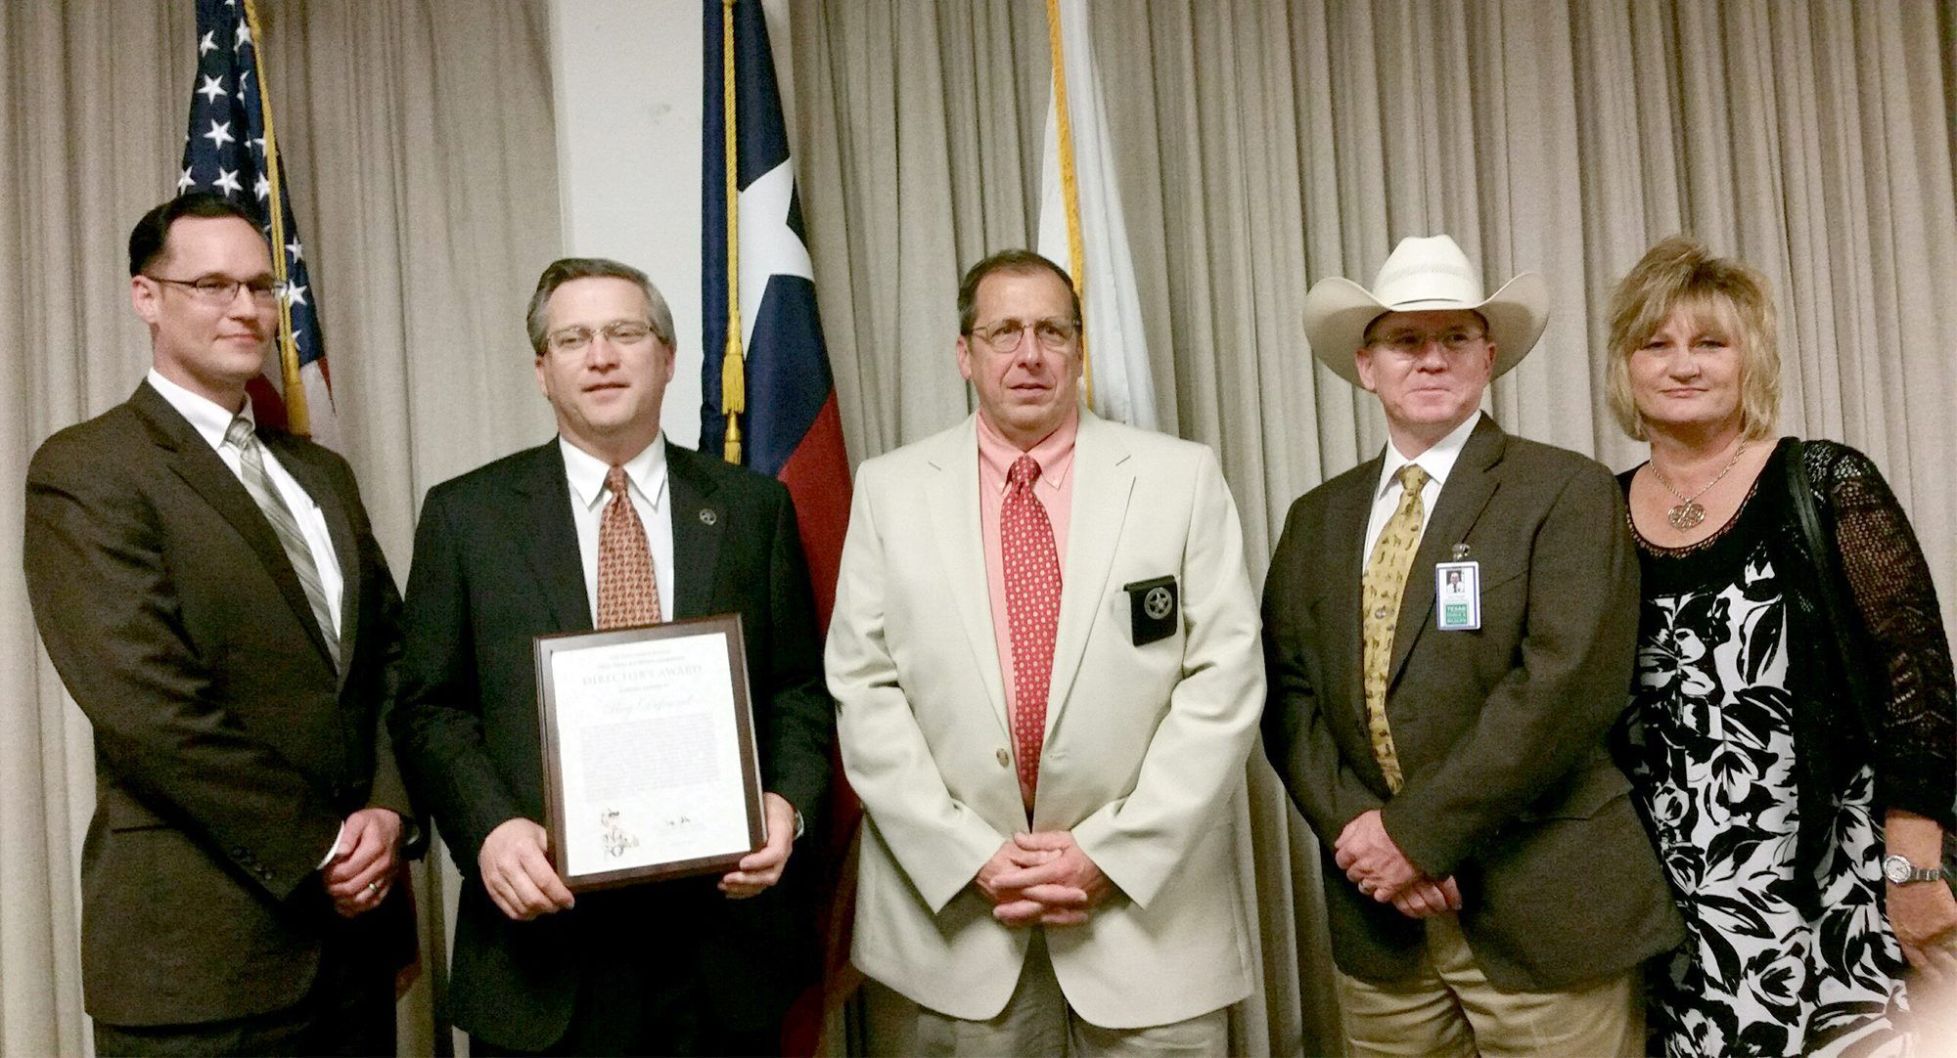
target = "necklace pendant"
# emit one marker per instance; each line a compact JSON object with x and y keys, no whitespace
{"x":1686,"y":515}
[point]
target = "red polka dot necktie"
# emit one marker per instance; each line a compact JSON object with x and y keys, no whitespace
{"x":1032,"y":568}
{"x":627,"y":593}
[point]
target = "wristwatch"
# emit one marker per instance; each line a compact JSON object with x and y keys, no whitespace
{"x":1900,"y":871}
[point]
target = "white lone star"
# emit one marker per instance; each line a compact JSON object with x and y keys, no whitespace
{"x":244,"y":36}
{"x":220,"y":134}
{"x":212,"y":90}
{"x":294,"y":249}
{"x":207,"y":44}
{"x":769,"y":247}
{"x":186,"y":181}
{"x":262,"y":188}
{"x":295,"y":294}
{"x":227,"y":181}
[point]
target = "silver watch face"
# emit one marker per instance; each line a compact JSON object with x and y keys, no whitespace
{"x":1896,"y":869}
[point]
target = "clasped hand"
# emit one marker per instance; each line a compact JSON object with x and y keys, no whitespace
{"x":1372,"y":860}
{"x":1042,"y":878}
{"x":363,"y":869}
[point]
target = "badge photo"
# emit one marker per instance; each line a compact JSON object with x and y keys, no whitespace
{"x":1152,"y":609}
{"x":1457,"y":596}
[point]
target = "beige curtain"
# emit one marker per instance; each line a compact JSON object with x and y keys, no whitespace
{"x":418,"y":139}
{"x":1271,"y":144}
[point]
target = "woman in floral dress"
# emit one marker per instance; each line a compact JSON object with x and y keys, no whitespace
{"x":1772,"y":796}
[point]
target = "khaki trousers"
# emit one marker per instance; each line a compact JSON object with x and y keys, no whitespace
{"x":1037,"y":1021}
{"x":1452,"y":1010}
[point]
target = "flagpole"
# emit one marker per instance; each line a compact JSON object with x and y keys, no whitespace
{"x":297,"y":417}
{"x":733,"y":371}
{"x":1069,"y":186}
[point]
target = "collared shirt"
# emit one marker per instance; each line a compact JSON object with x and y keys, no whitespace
{"x":211,"y":420}
{"x":1436,"y":462}
{"x":646,"y":475}
{"x":1054,"y":489}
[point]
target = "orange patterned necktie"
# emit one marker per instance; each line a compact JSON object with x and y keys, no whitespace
{"x":1385,"y":581}
{"x":627,"y":593}
{"x":1032,"y":574}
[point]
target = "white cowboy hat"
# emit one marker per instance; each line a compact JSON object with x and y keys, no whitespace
{"x":1423,"y":275}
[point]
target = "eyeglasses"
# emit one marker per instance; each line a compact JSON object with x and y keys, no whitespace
{"x":220,"y":290}
{"x":1410,"y":343}
{"x":617,"y":332}
{"x":1055,"y":335}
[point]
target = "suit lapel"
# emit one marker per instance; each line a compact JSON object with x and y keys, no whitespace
{"x":192,"y":459}
{"x":698,"y":526}
{"x":339,"y":529}
{"x":951,"y":496}
{"x":1345,"y":522}
{"x":1466,"y":493}
{"x":551,"y":547}
{"x":1103,"y":482}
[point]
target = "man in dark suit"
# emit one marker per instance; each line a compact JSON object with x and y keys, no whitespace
{"x":605,"y":525}
{"x":215,"y":602}
{"x":1489,"y":887}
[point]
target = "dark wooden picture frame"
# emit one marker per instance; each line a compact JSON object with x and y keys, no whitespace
{"x":555,"y":821}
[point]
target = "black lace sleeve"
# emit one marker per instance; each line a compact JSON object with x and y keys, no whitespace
{"x":1914,"y":728}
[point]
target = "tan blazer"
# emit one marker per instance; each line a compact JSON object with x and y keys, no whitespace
{"x":1500,"y":730}
{"x":1145,"y":745}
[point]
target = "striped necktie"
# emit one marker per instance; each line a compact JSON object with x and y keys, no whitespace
{"x":251,"y":470}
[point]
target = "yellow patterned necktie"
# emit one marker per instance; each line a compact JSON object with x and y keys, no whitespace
{"x":1385,"y":580}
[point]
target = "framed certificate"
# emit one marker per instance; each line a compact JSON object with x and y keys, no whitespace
{"x":650,"y":768}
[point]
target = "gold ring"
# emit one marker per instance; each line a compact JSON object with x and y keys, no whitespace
{"x":374,"y":887}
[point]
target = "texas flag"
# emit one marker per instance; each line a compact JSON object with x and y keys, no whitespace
{"x":783,"y":406}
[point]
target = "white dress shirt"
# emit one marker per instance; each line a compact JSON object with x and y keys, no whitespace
{"x":211,"y":420}
{"x":646,"y":477}
{"x":1436,"y":462}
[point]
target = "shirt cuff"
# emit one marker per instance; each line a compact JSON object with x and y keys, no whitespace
{"x":335,"y":850}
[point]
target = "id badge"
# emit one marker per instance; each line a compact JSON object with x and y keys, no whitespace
{"x":1457,"y":595}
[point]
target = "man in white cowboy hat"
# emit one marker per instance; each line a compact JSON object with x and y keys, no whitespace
{"x":1448,"y":632}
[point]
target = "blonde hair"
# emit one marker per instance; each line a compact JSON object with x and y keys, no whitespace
{"x":1680,"y":273}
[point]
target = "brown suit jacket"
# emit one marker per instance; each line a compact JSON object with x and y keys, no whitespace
{"x":227,"y":749}
{"x":1500,"y":731}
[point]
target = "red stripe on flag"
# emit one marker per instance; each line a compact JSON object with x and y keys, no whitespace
{"x":817,"y":476}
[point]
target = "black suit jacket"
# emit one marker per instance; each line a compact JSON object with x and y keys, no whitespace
{"x":496,"y":564}
{"x":227,"y":749}
{"x":1500,"y":731}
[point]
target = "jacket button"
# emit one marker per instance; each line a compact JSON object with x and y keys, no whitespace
{"x":1004,"y":758}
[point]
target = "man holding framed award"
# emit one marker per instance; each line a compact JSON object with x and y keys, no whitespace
{"x":588,"y":572}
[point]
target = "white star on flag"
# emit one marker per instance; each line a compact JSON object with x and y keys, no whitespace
{"x":208,"y":43}
{"x":186,"y":181}
{"x":295,"y":295}
{"x":227,"y":181}
{"x":293,"y":248}
{"x":212,"y":90}
{"x":769,"y":247}
{"x":220,"y":134}
{"x":262,"y":187}
{"x":244,"y":36}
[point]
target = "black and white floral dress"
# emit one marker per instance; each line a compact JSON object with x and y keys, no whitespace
{"x":1709,"y":746}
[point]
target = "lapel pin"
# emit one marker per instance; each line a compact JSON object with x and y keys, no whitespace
{"x":707,"y":516}
{"x":1461,"y":551}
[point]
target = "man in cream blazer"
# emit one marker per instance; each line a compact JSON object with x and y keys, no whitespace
{"x":1047,"y":673}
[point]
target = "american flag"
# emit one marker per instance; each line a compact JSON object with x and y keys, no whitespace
{"x":231,"y":136}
